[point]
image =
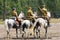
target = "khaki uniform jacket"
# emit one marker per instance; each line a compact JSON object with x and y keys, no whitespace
{"x":30,"y":14}
{"x":14,"y":13}
{"x":44,"y":12}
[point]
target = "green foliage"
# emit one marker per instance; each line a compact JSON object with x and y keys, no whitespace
{"x":22,"y":5}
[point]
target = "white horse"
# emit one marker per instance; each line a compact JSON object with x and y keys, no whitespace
{"x":27,"y":24}
{"x":10,"y":23}
{"x":21,"y":15}
{"x":39,"y":22}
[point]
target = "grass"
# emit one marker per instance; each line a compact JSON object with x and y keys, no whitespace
{"x":55,"y":20}
{"x":52,"y":20}
{"x":1,"y":21}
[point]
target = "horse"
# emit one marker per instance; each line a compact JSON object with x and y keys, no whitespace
{"x":11,"y":23}
{"x":27,"y":24}
{"x":39,"y":23}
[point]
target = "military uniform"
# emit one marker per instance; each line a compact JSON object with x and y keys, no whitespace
{"x":44,"y":14}
{"x":14,"y":14}
{"x":30,"y":14}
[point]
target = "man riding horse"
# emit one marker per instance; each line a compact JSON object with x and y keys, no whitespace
{"x":14,"y":14}
{"x":30,"y":14}
{"x":44,"y":13}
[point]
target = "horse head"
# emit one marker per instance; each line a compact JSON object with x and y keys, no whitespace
{"x":21,"y":15}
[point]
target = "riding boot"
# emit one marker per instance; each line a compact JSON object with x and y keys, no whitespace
{"x":48,"y":21}
{"x":48,"y":24}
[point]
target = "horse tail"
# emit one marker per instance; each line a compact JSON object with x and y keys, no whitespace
{"x":24,"y":26}
{"x":6,"y":24}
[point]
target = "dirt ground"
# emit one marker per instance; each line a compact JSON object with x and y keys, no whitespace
{"x":53,"y":33}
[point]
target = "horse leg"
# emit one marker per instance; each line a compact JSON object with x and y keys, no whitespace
{"x":46,"y":32}
{"x":48,"y":22}
{"x":16,"y":32}
{"x":8,"y":35}
{"x":23,"y":31}
{"x":20,"y":30}
{"x":39,"y":33}
{"x":34,"y":33}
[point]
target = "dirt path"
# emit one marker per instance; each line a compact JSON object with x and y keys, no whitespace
{"x":53,"y":32}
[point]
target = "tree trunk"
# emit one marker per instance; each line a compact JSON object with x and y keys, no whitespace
{"x":4,"y":14}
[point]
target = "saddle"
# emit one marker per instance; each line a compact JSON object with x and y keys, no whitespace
{"x":14,"y":18}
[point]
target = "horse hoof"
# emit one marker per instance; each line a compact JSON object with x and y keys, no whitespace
{"x":17,"y":37}
{"x":30,"y":34}
{"x":35,"y":37}
{"x":22,"y":36}
{"x":39,"y":36}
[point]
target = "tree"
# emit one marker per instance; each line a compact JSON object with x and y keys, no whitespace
{"x":22,"y":5}
{"x":4,"y":15}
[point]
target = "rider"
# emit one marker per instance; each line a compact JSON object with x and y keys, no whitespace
{"x":44,"y":13}
{"x":30,"y":13}
{"x":14,"y":13}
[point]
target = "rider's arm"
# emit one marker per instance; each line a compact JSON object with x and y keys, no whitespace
{"x":43,"y":11}
{"x":31,"y":13}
